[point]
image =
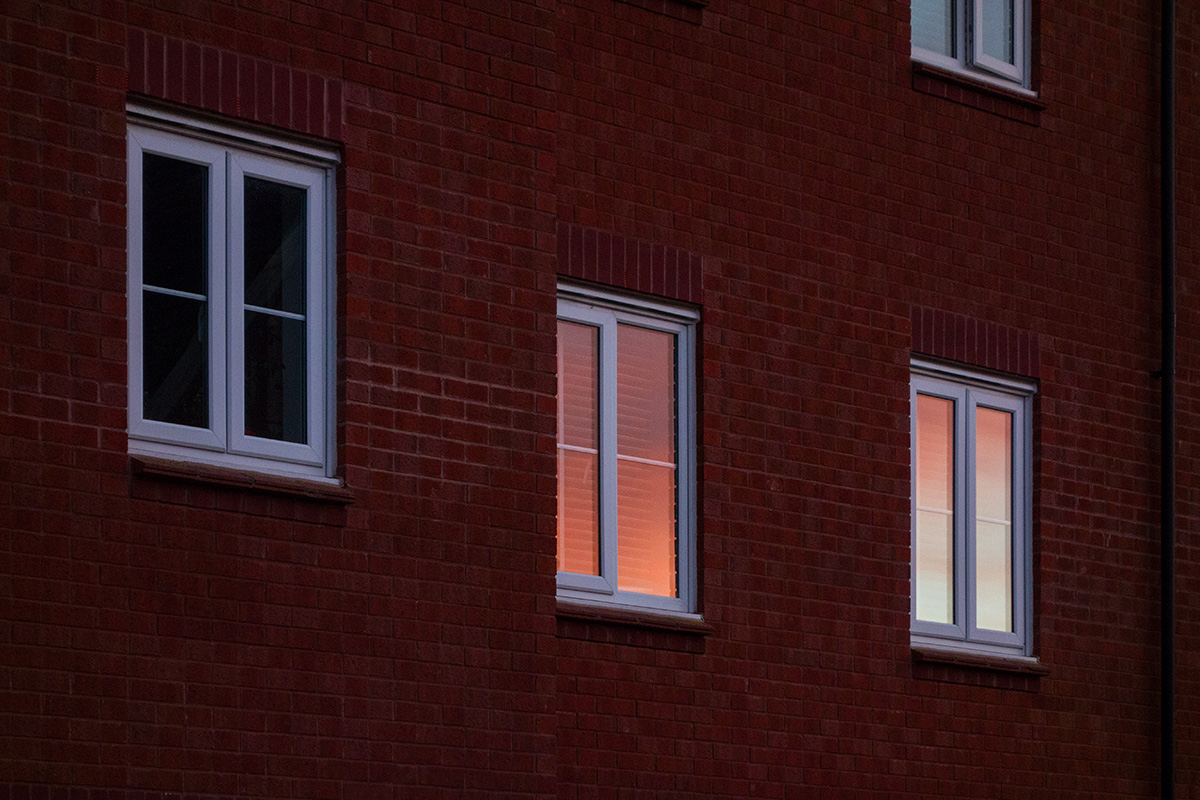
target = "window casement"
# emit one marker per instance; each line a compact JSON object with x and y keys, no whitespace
{"x":971,"y":511}
{"x":626,"y":475}
{"x":230,"y":286}
{"x":987,"y":39}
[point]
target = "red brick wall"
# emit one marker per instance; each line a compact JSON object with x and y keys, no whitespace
{"x":780,"y":165}
{"x":165,"y":635}
{"x":851,"y":212}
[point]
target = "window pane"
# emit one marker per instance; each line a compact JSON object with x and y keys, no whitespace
{"x":646,"y":394}
{"x":935,"y":453}
{"x":175,"y":359}
{"x":174,"y":224}
{"x":275,"y":246}
{"x":646,"y":528}
{"x":933,"y":26}
{"x":578,"y":457}
{"x":934,"y":543}
{"x":993,"y":464}
{"x":993,"y":525}
{"x":578,"y":355}
{"x":276,"y":382}
{"x":578,"y":512}
{"x":997,"y":29}
{"x":646,"y":492}
{"x":935,"y":567}
{"x":993,"y":576}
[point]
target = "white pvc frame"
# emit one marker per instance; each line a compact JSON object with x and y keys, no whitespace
{"x":1014,"y":72}
{"x":229,"y":158}
{"x":969,"y":390}
{"x":604,"y":311}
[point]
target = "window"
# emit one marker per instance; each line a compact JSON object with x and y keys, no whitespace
{"x":230,"y":341}
{"x":987,"y":38}
{"x":626,"y":507}
{"x":971,"y":510}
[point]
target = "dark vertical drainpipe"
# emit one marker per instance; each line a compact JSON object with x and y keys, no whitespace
{"x":1167,"y":130}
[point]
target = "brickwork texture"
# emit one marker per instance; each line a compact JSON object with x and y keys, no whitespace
{"x":829,"y":209}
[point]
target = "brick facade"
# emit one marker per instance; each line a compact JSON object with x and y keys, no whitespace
{"x":831,"y":209}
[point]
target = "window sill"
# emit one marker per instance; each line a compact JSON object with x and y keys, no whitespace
{"x":943,"y":661}
{"x":634,"y":617}
{"x":962,"y":88}
{"x":211,"y":475}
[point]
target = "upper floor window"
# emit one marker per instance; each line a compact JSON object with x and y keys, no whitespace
{"x":988,"y":39}
{"x":626,"y":480}
{"x":230,"y":287}
{"x":971,"y":455}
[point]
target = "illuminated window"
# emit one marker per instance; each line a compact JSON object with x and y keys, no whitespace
{"x":626,"y":508}
{"x":971,"y":510}
{"x":987,"y":38}
{"x":230,"y":283}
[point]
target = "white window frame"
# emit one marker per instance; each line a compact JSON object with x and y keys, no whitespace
{"x":232,"y":154}
{"x":970,"y":389}
{"x":604,"y":311}
{"x":969,"y":57}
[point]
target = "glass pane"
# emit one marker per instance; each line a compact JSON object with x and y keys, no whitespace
{"x":174,"y":224}
{"x":993,"y":464}
{"x":275,"y":245}
{"x":645,"y":394}
{"x":993,"y":524}
{"x":935,"y":566}
{"x":646,"y":528}
{"x":578,"y":512}
{"x":993,"y":576}
{"x":276,"y":381}
{"x":578,"y":355}
{"x":935,"y":452}
{"x":997,"y":25}
{"x":934,"y":544}
{"x":174,"y":359}
{"x":933,"y":26}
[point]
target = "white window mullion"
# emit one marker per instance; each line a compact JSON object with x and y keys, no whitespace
{"x":608,"y":450}
{"x":316,"y":342}
{"x":964,"y":500}
{"x":218,"y":291}
{"x":1020,"y":553}
{"x":1023,"y":523}
{"x":685,"y":466}
{"x":134,"y":223}
{"x":235,"y":302}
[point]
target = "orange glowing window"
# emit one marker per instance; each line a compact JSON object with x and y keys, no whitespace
{"x":970,"y":537}
{"x":578,"y":449}
{"x":933,"y":547}
{"x":625,"y":507}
